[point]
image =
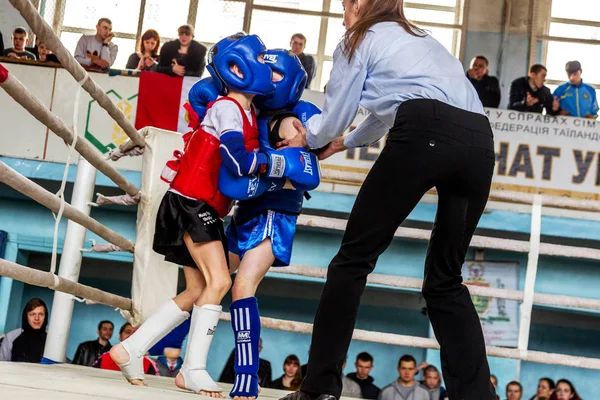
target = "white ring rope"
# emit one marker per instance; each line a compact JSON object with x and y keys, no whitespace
{"x":36,"y":277}
{"x":482,"y":242}
{"x":402,"y":282}
{"x":68,"y":62}
{"x":29,"y":188}
{"x":15,"y":89}
{"x":427,"y":343}
{"x":329,"y":172}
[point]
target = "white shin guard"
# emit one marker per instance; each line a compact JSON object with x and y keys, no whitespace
{"x":202,"y":330}
{"x":157,"y":326}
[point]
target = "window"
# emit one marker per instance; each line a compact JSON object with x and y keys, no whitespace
{"x":572,"y":35}
{"x":273,"y":20}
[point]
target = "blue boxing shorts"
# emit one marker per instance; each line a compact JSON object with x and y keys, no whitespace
{"x":279,"y":227}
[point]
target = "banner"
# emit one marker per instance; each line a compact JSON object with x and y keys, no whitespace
{"x":499,"y":317}
{"x":160,"y":101}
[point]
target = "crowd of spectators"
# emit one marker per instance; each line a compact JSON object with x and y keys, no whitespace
{"x":415,"y":381}
{"x":530,"y":94}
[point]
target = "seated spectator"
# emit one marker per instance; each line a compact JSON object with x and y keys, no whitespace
{"x":45,"y":55}
{"x":264,"y":369}
{"x":297,"y":46}
{"x":576,"y":98}
{"x":487,"y":87}
{"x":432,"y":383}
{"x":19,"y":40}
{"x":349,"y":387}
{"x":406,"y":387}
{"x":544,"y":390}
{"x":564,"y":391}
{"x":514,"y":391}
{"x":105,"y":362}
{"x":88,"y":352}
{"x":147,"y":56}
{"x":494,"y":381}
{"x":529,"y":93}
{"x":168,"y":350}
{"x":98,"y":51}
{"x":26,"y":344}
{"x":182,"y":57}
{"x":292,"y":376}
{"x":364,"y":365}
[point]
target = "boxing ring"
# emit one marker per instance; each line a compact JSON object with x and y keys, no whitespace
{"x":150,"y":271}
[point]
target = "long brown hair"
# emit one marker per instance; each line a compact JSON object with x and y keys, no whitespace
{"x":297,"y":381}
{"x":150,"y":34}
{"x":373,"y":12}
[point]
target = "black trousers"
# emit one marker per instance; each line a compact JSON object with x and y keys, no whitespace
{"x":431,"y":144}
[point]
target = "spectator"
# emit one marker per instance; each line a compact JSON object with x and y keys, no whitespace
{"x":183,"y":57}
{"x":514,"y":391}
{"x":406,"y":387}
{"x":88,"y":352}
{"x":19,"y":40}
{"x":297,"y":44}
{"x":564,"y":391}
{"x":576,"y":98}
{"x":170,"y":362}
{"x":364,"y":365}
{"x":105,"y":362}
{"x":544,"y":390}
{"x":494,"y":381}
{"x":487,"y":87}
{"x":147,"y":57}
{"x":349,"y":387}
{"x":432,"y":383}
{"x":45,"y":55}
{"x":292,"y":376}
{"x":168,"y":350}
{"x":264,"y":370}
{"x":26,"y":344}
{"x":529,"y":93}
{"x":98,"y":51}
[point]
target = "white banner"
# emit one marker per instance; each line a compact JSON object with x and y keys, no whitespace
{"x":499,"y":317}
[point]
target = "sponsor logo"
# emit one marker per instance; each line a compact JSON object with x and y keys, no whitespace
{"x":211,"y":331}
{"x":253,"y":186}
{"x":243,"y":336}
{"x":277,"y":165}
{"x":305,"y":160}
{"x":207,"y":218}
{"x":271,"y":58}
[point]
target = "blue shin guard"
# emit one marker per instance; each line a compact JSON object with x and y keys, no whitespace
{"x":245,"y":322}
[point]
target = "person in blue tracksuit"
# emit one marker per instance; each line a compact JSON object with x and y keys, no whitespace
{"x":576,"y":98}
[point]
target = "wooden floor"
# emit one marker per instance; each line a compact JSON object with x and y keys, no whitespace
{"x":20,"y":381}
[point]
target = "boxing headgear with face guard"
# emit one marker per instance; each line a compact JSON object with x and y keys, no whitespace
{"x":243,"y":51}
{"x":288,"y":90}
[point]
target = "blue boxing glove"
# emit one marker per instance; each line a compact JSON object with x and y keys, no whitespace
{"x":300,"y":166}
{"x":246,"y":187}
{"x":304,"y":110}
{"x":201,"y":94}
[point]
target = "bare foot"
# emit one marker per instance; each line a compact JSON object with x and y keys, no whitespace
{"x":120,"y":356}
{"x":180,"y":383}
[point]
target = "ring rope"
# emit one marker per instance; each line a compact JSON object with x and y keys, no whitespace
{"x":29,"y":188}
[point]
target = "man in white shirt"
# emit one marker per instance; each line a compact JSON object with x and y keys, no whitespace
{"x":97,"y":50}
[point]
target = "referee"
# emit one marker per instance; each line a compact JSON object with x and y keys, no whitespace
{"x":438,"y":136}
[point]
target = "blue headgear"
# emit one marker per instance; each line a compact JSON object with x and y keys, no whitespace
{"x":243,"y":51}
{"x":289,"y":90}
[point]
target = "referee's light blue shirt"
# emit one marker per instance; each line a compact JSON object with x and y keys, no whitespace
{"x":389,"y":67}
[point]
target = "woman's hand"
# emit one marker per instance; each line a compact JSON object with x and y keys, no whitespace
{"x":335,"y":146}
{"x":297,"y":141}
